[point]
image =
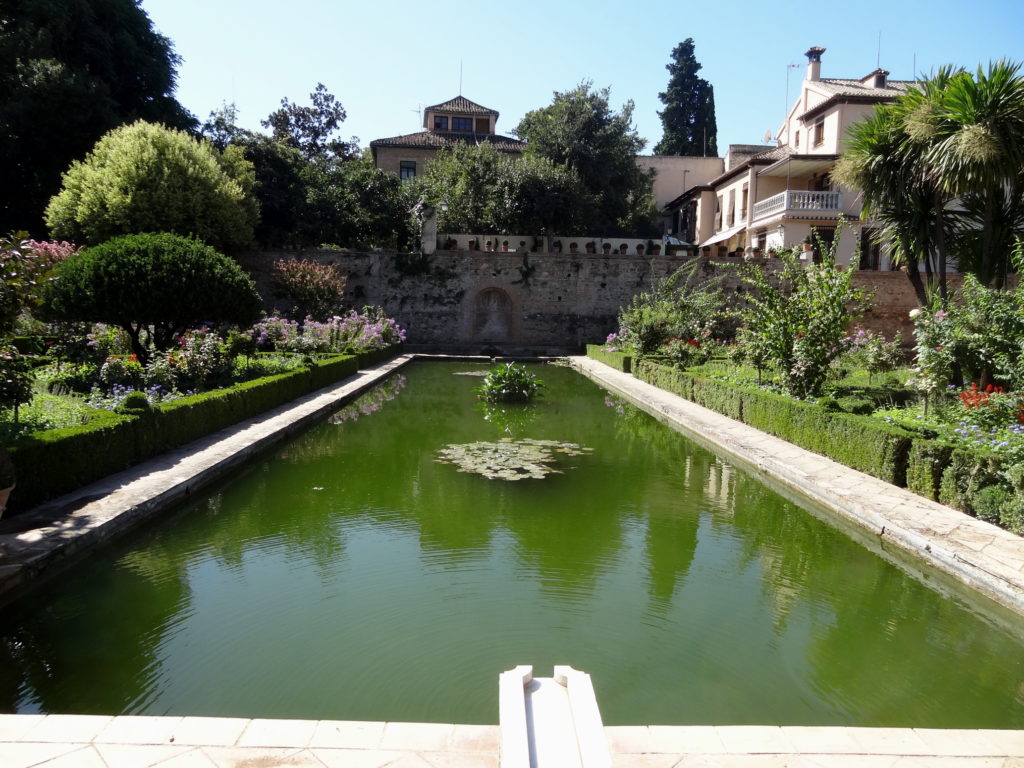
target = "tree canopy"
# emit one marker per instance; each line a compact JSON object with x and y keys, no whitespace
{"x":148,"y":178}
{"x":310,"y":129}
{"x":688,"y":120}
{"x":70,"y":72}
{"x":580,"y":131}
{"x":154,"y":286}
{"x":491,"y":191}
{"x":315,"y":191}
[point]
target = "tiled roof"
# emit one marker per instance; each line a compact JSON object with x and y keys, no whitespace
{"x":463,"y":106}
{"x":773,"y":154}
{"x":439,"y":139}
{"x":846,"y":87}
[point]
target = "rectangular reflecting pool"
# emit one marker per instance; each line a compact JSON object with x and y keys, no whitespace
{"x":351,"y":574}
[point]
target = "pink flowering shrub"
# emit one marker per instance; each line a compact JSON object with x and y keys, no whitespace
{"x":312,"y":289}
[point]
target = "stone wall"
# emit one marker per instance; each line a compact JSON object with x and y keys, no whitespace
{"x":536,"y":303}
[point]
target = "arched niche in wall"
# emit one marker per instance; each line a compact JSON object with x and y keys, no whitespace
{"x":492,"y":315}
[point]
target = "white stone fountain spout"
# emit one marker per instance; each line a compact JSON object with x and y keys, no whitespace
{"x":550,"y":722}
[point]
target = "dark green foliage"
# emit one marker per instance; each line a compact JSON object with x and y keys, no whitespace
{"x":688,"y":119}
{"x":112,"y":441}
{"x":966,"y":474}
{"x":134,"y":402}
{"x":69,"y":72}
{"x":371,"y":357}
{"x":580,"y":131}
{"x":859,"y":442}
{"x":989,"y":502}
{"x":862,"y":406}
{"x":351,"y":203}
{"x":310,"y":129}
{"x":152,"y":285}
{"x":509,"y":383}
{"x":928,"y":459}
{"x":617,"y":360}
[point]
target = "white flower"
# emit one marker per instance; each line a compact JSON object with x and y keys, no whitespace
{"x":915,"y":313}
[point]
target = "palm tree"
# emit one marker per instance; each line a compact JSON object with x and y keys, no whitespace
{"x":974,"y":139}
{"x":883,"y":163}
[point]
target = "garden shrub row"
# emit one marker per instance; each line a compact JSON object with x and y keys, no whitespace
{"x":54,"y":462}
{"x":859,"y":442}
{"x":971,"y":481}
{"x":617,"y":360}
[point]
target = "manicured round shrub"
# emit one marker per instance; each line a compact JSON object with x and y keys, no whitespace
{"x":154,"y":286}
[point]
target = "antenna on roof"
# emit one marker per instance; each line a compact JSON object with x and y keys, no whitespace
{"x":460,"y":77}
{"x":878,"y":57}
{"x":767,"y":136}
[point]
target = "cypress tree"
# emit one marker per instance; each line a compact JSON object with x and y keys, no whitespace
{"x":688,"y":120}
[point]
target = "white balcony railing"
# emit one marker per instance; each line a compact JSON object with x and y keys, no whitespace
{"x":795,"y":200}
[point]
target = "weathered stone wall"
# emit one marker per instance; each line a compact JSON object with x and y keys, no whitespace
{"x":541,"y":303}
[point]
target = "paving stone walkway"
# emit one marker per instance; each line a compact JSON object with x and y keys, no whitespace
{"x":88,"y":741}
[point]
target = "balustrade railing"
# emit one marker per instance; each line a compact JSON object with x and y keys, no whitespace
{"x":797,"y":200}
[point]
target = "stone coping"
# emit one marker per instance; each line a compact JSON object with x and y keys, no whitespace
{"x":986,"y":558}
{"x":99,"y":741}
{"x":51,"y":535}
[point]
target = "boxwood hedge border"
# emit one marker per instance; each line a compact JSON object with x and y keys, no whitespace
{"x":53,"y":462}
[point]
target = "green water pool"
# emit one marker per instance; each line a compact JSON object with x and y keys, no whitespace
{"x":349,"y":575}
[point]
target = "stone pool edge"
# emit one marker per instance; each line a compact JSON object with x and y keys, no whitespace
{"x":980,"y":555}
{"x":107,"y":508}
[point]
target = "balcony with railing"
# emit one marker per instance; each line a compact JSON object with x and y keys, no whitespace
{"x":797,"y":200}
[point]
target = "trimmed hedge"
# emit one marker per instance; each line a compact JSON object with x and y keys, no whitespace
{"x":966,"y":474}
{"x":54,"y":462}
{"x":617,"y":360}
{"x":926,"y":463}
{"x":372,"y":357}
{"x":860,"y":442}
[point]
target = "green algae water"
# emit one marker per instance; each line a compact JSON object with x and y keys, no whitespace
{"x":350,"y":575}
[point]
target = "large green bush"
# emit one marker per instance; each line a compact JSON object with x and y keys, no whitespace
{"x":154,"y":286}
{"x":148,"y":178}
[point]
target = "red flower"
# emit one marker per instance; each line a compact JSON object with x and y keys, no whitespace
{"x":799,"y":335}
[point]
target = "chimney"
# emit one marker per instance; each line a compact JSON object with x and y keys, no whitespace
{"x":814,"y":62}
{"x":881,"y":78}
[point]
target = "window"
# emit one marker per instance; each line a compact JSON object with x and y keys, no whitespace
{"x":440,"y":123}
{"x":407,"y":169}
{"x":732,"y":208}
{"x":796,"y":139}
{"x":462,"y":124}
{"x":819,"y":131}
{"x":743,"y":206}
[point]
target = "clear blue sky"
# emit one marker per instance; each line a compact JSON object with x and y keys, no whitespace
{"x":385,"y":61}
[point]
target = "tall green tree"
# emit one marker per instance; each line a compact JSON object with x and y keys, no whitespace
{"x":148,"y":178}
{"x":491,"y":191}
{"x":311,"y":129}
{"x":70,"y":71}
{"x":579,"y":130}
{"x":688,"y":120}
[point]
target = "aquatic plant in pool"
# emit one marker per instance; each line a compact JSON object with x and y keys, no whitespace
{"x":509,"y":459}
{"x":509,"y":383}
{"x":347,"y":575}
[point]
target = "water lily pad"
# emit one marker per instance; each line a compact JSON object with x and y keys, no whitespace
{"x":470,"y":373}
{"x":509,"y":459}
